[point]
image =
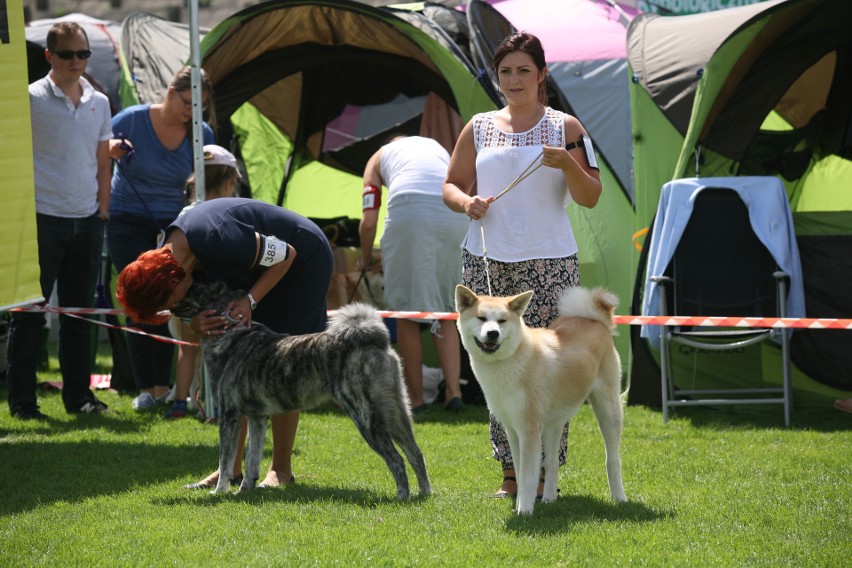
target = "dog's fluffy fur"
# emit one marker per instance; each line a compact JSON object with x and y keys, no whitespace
{"x":534,"y":380}
{"x":256,"y":373}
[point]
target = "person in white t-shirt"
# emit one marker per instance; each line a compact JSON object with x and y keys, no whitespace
{"x":527,"y":233}
{"x":419,"y":254}
{"x":70,"y":132}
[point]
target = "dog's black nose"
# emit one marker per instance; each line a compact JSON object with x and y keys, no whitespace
{"x":493,"y":335}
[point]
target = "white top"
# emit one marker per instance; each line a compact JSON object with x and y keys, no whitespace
{"x":65,"y":146}
{"x":415,"y":166}
{"x":529,"y":221}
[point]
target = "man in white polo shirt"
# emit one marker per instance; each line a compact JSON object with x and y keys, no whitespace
{"x":71,"y":128}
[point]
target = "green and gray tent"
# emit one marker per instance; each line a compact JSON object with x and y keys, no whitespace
{"x":764,"y":89}
{"x":312,"y":89}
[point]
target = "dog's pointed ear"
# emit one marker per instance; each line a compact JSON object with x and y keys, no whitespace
{"x":519,"y":303}
{"x":465,"y":298}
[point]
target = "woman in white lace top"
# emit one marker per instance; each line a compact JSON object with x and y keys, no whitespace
{"x":529,"y":243}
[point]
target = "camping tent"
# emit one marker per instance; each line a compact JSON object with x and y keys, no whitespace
{"x":764,"y":89}
{"x":585,"y":46}
{"x":104,"y":68}
{"x":154,"y":50}
{"x":304,"y":66}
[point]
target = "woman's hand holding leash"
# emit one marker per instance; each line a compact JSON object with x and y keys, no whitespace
{"x":477,"y":207}
{"x":372,"y":266}
{"x":555,"y":157}
{"x":120,"y":147}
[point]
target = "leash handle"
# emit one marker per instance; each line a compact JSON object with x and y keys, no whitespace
{"x":131,"y":151}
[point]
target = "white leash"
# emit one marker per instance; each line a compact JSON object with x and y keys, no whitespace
{"x":523,"y":175}
{"x":528,"y":171}
{"x":485,"y":257}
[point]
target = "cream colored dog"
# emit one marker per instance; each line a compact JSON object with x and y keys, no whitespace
{"x":535,"y":380}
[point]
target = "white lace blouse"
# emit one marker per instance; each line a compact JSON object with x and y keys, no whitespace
{"x":529,"y":221}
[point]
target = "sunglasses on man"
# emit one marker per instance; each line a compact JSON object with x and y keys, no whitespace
{"x":69,"y":53}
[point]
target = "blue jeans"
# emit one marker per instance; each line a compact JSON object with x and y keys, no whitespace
{"x":151,"y":360}
{"x":69,"y":254}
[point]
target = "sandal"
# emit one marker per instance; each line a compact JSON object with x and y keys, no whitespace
{"x":502,"y":493}
{"x":455,"y":405}
{"x":211,"y":484}
{"x":290,"y":481}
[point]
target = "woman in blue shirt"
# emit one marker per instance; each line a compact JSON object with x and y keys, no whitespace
{"x":148,"y":193}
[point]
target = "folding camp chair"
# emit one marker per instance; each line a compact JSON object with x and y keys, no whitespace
{"x":720,"y":267}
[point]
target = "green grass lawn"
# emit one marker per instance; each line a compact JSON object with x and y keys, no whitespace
{"x":728,"y":487}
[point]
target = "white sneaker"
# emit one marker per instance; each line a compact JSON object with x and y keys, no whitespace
{"x":144,"y":401}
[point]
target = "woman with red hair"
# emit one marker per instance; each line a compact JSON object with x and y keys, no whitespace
{"x":282,"y":260}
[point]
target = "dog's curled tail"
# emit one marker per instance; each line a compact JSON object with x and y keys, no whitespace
{"x":360,"y":325}
{"x":595,"y":304}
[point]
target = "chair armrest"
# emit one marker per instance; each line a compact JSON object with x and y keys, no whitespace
{"x":781,"y":281}
{"x":662,"y":281}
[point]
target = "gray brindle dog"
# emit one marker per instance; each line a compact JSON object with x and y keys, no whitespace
{"x":255,"y":372}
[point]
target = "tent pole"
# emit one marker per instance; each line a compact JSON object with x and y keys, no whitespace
{"x":197,"y":113}
{"x":198,"y":152}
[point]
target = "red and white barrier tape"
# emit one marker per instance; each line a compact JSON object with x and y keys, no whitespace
{"x":136,"y":330}
{"x":805,"y":323}
{"x":81,"y":311}
{"x":419,"y":315}
{"x":801,"y":323}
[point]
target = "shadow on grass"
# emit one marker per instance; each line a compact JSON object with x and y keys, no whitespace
{"x":761,"y":417}
{"x":566,"y":513}
{"x":299,"y":493}
{"x":102,"y":422}
{"x":41,"y":473}
{"x":435,"y":413}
